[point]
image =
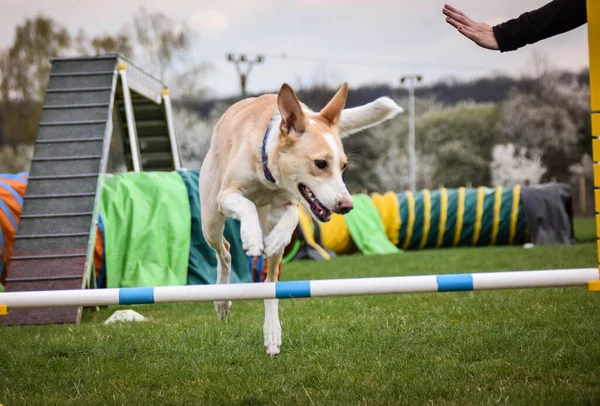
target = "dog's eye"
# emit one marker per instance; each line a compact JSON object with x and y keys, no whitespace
{"x":321,"y":164}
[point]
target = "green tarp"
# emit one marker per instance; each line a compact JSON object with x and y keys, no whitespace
{"x":147,"y":225}
{"x":366,"y":228}
{"x":203,"y":260}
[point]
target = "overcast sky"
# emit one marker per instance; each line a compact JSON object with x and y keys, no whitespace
{"x":359,"y":41}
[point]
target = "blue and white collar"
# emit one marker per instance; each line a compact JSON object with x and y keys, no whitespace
{"x":264,"y":155}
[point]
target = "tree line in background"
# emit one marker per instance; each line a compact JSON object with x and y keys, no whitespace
{"x":493,"y":130}
{"x":505,"y":131}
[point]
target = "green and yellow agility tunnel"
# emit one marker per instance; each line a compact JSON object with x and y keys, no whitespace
{"x":443,"y":218}
{"x":460,"y":217}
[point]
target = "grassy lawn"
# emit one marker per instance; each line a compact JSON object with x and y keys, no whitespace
{"x":538,"y":346}
{"x":585,"y":229}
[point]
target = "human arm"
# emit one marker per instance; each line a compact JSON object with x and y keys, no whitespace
{"x":554,"y":18}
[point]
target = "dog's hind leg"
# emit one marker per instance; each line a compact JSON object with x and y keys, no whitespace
{"x":213,"y":233}
{"x":213,"y":224}
{"x":223,"y":276}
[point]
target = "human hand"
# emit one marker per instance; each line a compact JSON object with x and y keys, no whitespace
{"x":480,"y":33}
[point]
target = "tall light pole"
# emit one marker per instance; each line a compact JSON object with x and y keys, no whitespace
{"x":411,"y":80}
{"x":243,"y":59}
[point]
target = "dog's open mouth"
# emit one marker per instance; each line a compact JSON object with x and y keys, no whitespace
{"x":322,"y":212}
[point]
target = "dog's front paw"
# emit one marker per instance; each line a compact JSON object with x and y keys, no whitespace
{"x":273,"y":341}
{"x":276,"y":242}
{"x":222,"y":309}
{"x":272,"y":333}
{"x":252,"y":241}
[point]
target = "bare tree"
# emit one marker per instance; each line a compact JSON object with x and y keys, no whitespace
{"x":162,"y":42}
{"x":24,"y":69}
{"x":15,"y":158}
{"x":119,"y":44}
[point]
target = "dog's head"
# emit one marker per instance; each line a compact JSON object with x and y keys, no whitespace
{"x":311,"y":158}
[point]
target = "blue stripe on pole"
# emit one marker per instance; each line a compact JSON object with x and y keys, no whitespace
{"x":454,"y":283}
{"x":288,"y":290}
{"x":136,"y":296}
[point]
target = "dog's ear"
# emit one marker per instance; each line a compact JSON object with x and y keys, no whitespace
{"x":334,"y":108}
{"x":292,"y":116}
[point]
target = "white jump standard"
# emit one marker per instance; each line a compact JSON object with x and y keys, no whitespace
{"x":303,"y":289}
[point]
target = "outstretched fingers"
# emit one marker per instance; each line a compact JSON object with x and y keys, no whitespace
{"x":453,"y":9}
{"x":465,"y":30}
{"x":480,"y":33}
{"x":454,"y":23}
{"x":456,"y":16}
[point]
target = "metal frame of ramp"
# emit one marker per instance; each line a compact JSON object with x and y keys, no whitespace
{"x":100,"y":115}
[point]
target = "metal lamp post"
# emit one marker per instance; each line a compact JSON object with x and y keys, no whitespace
{"x":411,"y":80}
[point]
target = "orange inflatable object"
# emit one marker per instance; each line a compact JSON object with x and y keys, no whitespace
{"x":12,"y":190}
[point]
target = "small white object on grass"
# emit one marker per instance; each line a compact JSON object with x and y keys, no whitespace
{"x":528,"y":245}
{"x":125,"y":315}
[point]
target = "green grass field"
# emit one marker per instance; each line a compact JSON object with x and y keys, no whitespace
{"x":537,"y":346}
{"x":585,"y":229}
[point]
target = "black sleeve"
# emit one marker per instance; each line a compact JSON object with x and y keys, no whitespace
{"x":554,"y":18}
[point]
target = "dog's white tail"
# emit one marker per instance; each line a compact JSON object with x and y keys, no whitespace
{"x":362,"y":117}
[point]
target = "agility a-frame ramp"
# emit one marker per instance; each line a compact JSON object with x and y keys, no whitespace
{"x":100,"y":115}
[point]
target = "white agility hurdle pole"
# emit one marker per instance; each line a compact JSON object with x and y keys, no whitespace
{"x":302,"y":289}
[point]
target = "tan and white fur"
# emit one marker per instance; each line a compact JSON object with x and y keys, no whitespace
{"x":306,"y":159}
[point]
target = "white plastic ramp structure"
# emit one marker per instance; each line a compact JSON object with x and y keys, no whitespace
{"x":100,"y":115}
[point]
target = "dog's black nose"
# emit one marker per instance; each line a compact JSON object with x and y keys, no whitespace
{"x":344,"y":206}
